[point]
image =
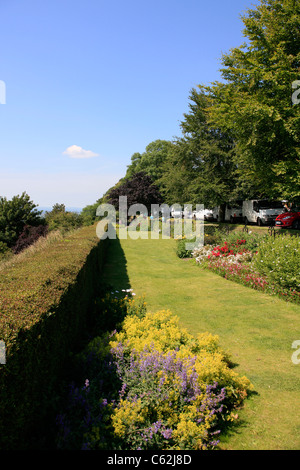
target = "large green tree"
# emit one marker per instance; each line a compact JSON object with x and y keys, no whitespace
{"x":14,"y":215}
{"x":151,"y":161}
{"x":254,"y":103}
{"x":199,"y":167}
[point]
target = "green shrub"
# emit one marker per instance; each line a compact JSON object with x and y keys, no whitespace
{"x":3,"y":247}
{"x":278,"y":259}
{"x":210,"y":239}
{"x":64,"y":221}
{"x":88,"y":214}
{"x":5,"y":251}
{"x":181,"y":250}
{"x":45,"y":311}
{"x":60,"y":219}
{"x":14,"y":215}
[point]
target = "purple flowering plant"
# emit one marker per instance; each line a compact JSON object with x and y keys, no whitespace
{"x":133,"y":392}
{"x":167,"y":390}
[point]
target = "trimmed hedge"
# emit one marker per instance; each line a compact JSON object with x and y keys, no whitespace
{"x":45,"y":312}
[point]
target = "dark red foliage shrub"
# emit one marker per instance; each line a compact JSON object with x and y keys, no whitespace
{"x":140,"y":189}
{"x":29,"y":235}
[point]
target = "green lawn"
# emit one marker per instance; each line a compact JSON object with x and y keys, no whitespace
{"x":256,"y":329}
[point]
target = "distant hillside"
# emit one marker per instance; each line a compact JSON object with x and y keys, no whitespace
{"x":68,"y":209}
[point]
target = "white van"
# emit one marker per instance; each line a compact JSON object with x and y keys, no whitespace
{"x":198,"y":215}
{"x":215,"y":212}
{"x":233,"y":213}
{"x":262,"y":211}
{"x":205,"y":214}
{"x":208,"y":214}
{"x":187,"y":214}
{"x":176,"y":211}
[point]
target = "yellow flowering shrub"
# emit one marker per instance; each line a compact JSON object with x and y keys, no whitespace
{"x":183,"y":383}
{"x":165,"y":388}
{"x":129,"y":412}
{"x":159,"y":330}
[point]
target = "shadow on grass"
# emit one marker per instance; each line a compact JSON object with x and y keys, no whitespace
{"x":236,"y":427}
{"x":79,"y":402}
{"x":104,"y":316}
{"x":115,"y":276}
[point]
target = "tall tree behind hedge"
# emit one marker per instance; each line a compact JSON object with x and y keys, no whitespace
{"x":14,"y":215}
{"x":199,"y":168}
{"x":255,"y":102}
{"x":140,"y":189}
{"x":151,"y":161}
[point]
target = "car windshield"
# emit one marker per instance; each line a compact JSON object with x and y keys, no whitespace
{"x":270,"y":204}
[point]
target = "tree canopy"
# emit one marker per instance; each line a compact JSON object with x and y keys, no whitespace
{"x":150,"y":162}
{"x":254,"y":103}
{"x":199,"y":167}
{"x":14,"y":215}
{"x":240,"y":137}
{"x":140,"y":189}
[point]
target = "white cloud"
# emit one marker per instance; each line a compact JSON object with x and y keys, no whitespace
{"x":74,"y":151}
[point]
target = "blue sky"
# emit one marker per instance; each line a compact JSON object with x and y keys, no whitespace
{"x":89,"y":83}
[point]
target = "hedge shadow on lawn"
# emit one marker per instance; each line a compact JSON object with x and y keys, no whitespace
{"x":115,"y":280}
{"x":107,"y":316}
{"x":115,"y":275}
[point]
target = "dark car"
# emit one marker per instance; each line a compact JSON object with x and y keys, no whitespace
{"x":289,"y":219}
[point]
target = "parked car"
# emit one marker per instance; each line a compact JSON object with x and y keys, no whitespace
{"x":176,"y":211}
{"x":205,"y":214}
{"x":290,"y":219}
{"x":262,"y":212}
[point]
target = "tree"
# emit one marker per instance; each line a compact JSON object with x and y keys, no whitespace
{"x":140,"y":189}
{"x":134,"y":166}
{"x":14,"y":215}
{"x":199,"y":167}
{"x":88,"y":213}
{"x":58,"y":209}
{"x":151,"y":161}
{"x":60,"y":219}
{"x":177,"y":175}
{"x":254,"y":104}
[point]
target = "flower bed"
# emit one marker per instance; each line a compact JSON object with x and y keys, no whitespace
{"x":267,"y":265}
{"x":151,"y":385}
